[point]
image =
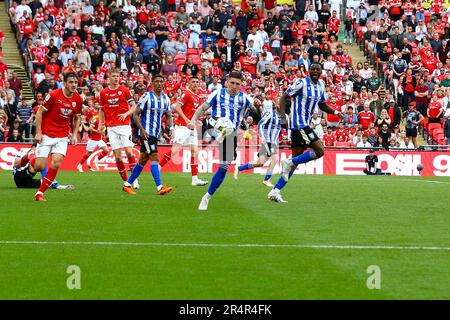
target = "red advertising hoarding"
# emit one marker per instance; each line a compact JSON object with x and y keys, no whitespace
{"x":341,"y":162}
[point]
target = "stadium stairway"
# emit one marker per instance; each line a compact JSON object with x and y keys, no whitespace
{"x":358,"y":56}
{"x":11,"y":52}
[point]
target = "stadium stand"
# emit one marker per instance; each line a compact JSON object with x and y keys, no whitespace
{"x":370,"y":58}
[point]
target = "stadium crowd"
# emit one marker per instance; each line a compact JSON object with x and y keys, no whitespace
{"x":404,"y":84}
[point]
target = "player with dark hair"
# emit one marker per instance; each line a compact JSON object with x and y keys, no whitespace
{"x":307,"y":95}
{"x":116,"y":107}
{"x":228,"y":108}
{"x":61,"y":107}
{"x":185,"y":107}
{"x":148,"y":118}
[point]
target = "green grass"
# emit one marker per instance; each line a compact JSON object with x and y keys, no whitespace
{"x":322,"y":210}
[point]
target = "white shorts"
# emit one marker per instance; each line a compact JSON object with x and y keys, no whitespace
{"x":185,"y":136}
{"x":92,"y":144}
{"x":51,"y":145}
{"x":120,"y":137}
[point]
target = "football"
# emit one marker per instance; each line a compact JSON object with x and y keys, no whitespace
{"x":223,"y":123}
{"x":224,"y":127}
{"x":419,"y":167}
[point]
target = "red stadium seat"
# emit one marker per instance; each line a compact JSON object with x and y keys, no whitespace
{"x":437,"y":132}
{"x":432,"y":127}
{"x":196,"y":60}
{"x":192,"y":51}
{"x":180,"y":57}
{"x":180,"y":62}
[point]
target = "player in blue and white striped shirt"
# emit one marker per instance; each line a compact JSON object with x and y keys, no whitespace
{"x":228,"y":108}
{"x":148,"y":118}
{"x":269,"y":128}
{"x":308,"y":94}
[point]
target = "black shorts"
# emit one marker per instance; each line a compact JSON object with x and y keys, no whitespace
{"x":149,"y":146}
{"x":267,"y":149}
{"x":411,"y":132}
{"x":303,"y":137}
{"x":24,"y":179}
{"x":227,"y":149}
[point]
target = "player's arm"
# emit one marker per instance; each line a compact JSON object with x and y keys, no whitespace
{"x":179,"y":110}
{"x":169,"y":120}
{"x":92,"y":128}
{"x":101,"y":116}
{"x":284,"y":99}
{"x":138,"y":123}
{"x":75,"y":126}
{"x":421,"y":118}
{"x":38,"y":135}
{"x":323,"y":106}
{"x":203,"y":108}
{"x":129,"y":112}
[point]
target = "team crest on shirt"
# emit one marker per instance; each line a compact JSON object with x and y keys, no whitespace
{"x":65,"y":112}
{"x":119,"y":93}
{"x":74,"y":104}
{"x":113,"y":101}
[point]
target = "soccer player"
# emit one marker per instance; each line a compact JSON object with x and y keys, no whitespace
{"x":228,"y":107}
{"x":24,"y":172}
{"x":53,"y":128}
{"x":116,"y":106}
{"x":148,"y":118}
{"x":269,"y":128}
{"x":185,"y":107}
{"x":308,"y":94}
{"x":95,"y":140}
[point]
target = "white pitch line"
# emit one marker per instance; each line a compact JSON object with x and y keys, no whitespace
{"x":432,"y":181}
{"x":221,"y":245}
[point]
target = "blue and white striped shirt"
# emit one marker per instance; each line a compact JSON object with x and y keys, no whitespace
{"x":270,"y":126}
{"x":224,"y":105}
{"x":306,"y":97}
{"x":153,"y":108}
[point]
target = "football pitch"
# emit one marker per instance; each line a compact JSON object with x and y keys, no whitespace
{"x":324,"y":244}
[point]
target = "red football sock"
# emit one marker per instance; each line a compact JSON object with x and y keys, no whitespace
{"x":32,"y":160}
{"x":131,"y":163}
{"x":166,"y":158}
{"x":194,"y":167}
{"x":48,"y":179}
{"x":122,"y":170}
{"x":84,"y":158}
{"x":102,"y":155}
{"x":24,"y":160}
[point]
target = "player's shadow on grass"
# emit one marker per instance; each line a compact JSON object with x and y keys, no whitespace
{"x":10,"y":188}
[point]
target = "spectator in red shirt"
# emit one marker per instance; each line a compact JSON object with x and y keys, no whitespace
{"x":341,"y":133}
{"x":366,"y":117}
{"x":429,"y":61}
{"x":434,"y":111}
{"x":421,"y":96}
{"x":329,"y":139}
{"x":333,"y":120}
